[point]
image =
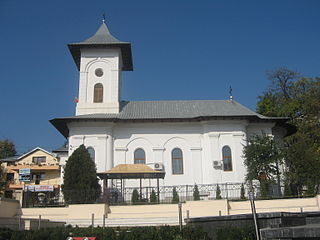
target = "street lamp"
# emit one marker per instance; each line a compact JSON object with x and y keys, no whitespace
{"x":254,"y":213}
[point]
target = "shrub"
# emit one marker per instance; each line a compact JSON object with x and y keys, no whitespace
{"x":175,"y":196}
{"x":134,"y":233}
{"x":235,"y":233}
{"x":264,"y":189}
{"x":135,"y":198}
{"x":242,"y":192}
{"x":218,"y":193}
{"x":153,"y":197}
{"x":196,"y":194}
{"x":311,"y":188}
{"x":287,"y":190}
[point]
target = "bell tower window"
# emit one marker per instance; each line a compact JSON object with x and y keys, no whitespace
{"x":98,"y":93}
{"x":99,"y":72}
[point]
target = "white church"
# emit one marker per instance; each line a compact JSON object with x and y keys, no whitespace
{"x":192,"y":142}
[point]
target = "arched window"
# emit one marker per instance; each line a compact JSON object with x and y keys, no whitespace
{"x":139,"y":156}
{"x":98,"y":93}
{"x":227,"y":158}
{"x":91,"y":153}
{"x":177,"y":161}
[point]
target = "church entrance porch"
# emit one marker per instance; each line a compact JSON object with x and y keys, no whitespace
{"x":114,"y":188}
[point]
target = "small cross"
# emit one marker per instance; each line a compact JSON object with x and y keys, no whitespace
{"x":230,"y":92}
{"x":104,"y":18}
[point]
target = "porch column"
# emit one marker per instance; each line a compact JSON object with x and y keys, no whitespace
{"x":109,"y":152}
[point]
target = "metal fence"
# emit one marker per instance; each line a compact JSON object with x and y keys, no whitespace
{"x":229,"y":191}
{"x":42,"y":199}
{"x":116,"y":196}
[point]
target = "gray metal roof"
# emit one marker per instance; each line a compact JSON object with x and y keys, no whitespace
{"x":63,"y":148}
{"x":103,"y":39}
{"x":192,"y":110}
{"x":10,"y":159}
{"x":103,"y":36}
{"x":177,"y":110}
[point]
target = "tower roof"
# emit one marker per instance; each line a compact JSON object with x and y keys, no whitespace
{"x":103,"y":39}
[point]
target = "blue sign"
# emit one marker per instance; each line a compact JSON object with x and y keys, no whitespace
{"x":24,"y":174}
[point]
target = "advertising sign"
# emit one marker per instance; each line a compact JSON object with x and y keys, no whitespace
{"x":24,"y":174}
{"x":39,"y":188}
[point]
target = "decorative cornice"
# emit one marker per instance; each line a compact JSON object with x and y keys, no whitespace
{"x":124,"y":149}
{"x":238,"y":134}
{"x":214,"y":134}
{"x":158,"y":148}
{"x":196,"y":148}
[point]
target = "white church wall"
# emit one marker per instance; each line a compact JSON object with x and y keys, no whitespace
{"x":93,"y":135}
{"x":201,"y":144}
{"x":259,"y":128}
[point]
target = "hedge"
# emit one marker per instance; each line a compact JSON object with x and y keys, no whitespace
{"x":235,"y":233}
{"x":134,"y":233}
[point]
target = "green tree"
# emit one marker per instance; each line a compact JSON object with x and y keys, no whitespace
{"x":153,"y":197}
{"x":262,"y":157}
{"x":175,"y":195}
{"x":218,"y":193}
{"x":7,"y":149}
{"x":291,"y":95}
{"x":135,"y":198}
{"x":80,"y":178}
{"x":196,"y":194}
{"x":2,"y":179}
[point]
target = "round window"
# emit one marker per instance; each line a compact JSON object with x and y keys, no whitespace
{"x":99,"y":72}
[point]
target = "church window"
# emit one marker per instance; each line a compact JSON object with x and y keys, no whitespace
{"x":98,"y":93}
{"x":227,"y":158}
{"x":92,"y":153}
{"x":177,"y":161}
{"x":139,"y":156}
{"x":99,"y":72}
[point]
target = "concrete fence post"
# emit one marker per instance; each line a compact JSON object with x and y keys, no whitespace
{"x":180,"y":215}
{"x":39,"y":222}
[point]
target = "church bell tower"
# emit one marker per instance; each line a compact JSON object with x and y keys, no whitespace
{"x":100,"y":60}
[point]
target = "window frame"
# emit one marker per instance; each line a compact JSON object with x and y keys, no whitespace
{"x":227,"y":159}
{"x":98,"y":93}
{"x":94,"y":153}
{"x":36,"y":159}
{"x":137,"y":160}
{"x":174,"y":159}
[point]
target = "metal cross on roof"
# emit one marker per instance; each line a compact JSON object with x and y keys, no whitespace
{"x":230,"y":92}
{"x":104,"y":18}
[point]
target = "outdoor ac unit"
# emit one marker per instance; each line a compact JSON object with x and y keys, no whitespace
{"x":216,"y":164}
{"x":158,"y":166}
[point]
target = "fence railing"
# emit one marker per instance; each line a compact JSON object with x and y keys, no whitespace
{"x":231,"y":191}
{"x":147,"y":195}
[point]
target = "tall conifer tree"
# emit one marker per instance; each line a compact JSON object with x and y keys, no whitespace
{"x":80,"y":178}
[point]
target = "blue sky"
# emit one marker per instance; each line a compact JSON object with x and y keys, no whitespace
{"x":181,"y":50}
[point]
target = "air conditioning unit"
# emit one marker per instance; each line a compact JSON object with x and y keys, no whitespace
{"x":158,"y":166}
{"x":216,"y":164}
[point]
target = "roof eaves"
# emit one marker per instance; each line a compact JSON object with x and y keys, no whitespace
{"x":125,"y":47}
{"x":33,"y":150}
